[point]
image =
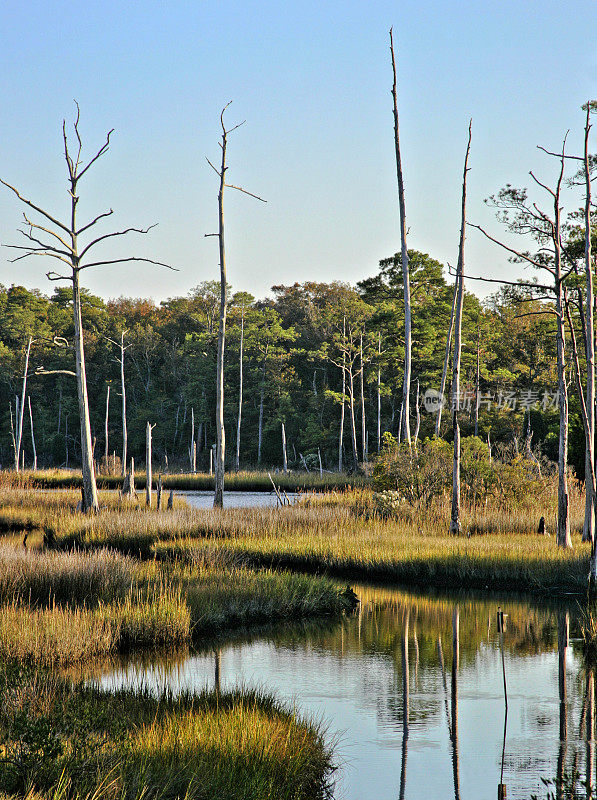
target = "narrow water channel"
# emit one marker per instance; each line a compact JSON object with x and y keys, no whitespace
{"x":411,"y":690}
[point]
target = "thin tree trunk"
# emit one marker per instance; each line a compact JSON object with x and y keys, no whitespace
{"x":261,"y":399}
{"x":404,"y":258}
{"x":32,"y":435}
{"x":284,"y":455}
{"x":107,"y":443}
{"x":148,"y":475}
{"x":353,"y":429}
{"x":220,"y":431}
{"x":341,"y":435}
{"x":418,"y":416}
{"x":476,"y":410}
{"x":240,"y":387}
{"x":363,"y":420}
{"x":455,"y":517}
{"x":590,"y":487}
{"x":22,"y":406}
{"x":442,"y":388}
{"x":123,"y":395}
{"x":89,"y":485}
{"x":193,"y":445}
{"x":563,"y":638}
{"x":379,"y":394}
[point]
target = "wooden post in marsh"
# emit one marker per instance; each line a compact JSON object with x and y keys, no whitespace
{"x":128,"y":485}
{"x":62,"y":242}
{"x":220,"y":431}
{"x":159,"y":492}
{"x":403,"y":256}
{"x":148,"y":473}
{"x":455,"y":516}
{"x":284,"y":454}
{"x":21,"y":406}
{"x":32,"y":435}
{"x":170,"y":505}
{"x":405,"y":703}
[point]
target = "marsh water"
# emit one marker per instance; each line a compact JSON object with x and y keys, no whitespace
{"x":205,"y":499}
{"x":411,"y":690}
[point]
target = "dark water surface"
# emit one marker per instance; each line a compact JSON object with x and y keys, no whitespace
{"x":361,"y":674}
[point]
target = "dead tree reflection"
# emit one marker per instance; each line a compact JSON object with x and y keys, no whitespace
{"x":405,"y":703}
{"x":455,"y":666}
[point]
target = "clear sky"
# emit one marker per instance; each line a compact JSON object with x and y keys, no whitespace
{"x":313,"y":81}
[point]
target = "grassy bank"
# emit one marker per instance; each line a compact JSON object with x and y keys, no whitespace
{"x":60,"y":740}
{"x":243,"y":481}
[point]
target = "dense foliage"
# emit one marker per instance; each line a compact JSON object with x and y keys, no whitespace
{"x":295,"y":345}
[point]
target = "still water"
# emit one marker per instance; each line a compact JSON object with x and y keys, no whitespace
{"x":205,"y":499}
{"x":411,"y":690}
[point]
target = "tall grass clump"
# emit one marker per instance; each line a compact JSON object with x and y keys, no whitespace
{"x":65,"y":635}
{"x":69,"y":740}
{"x":73,"y":578}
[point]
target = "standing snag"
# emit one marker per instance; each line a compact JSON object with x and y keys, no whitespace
{"x":61,"y":241}
{"x":220,"y":431}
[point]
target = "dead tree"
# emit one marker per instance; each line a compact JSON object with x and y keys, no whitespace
{"x":32,"y":435}
{"x":363,"y":419}
{"x":61,"y":241}
{"x":284,"y":454}
{"x":240,"y":386}
{"x":21,"y":408}
{"x":442,"y":388}
{"x":455,"y":517}
{"x":106,"y":438}
{"x":148,"y":473}
{"x":220,"y":431}
{"x":379,"y":392}
{"x":522,"y":216}
{"x":404,"y":259}
{"x":120,"y":360}
{"x":341,"y":433}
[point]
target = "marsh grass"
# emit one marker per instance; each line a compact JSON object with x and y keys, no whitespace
{"x":244,"y":480}
{"x":73,"y":741}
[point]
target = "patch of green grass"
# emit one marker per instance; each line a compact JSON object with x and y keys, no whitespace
{"x":59,"y":740}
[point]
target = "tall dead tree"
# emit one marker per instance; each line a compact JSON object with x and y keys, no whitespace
{"x":524,"y":217}
{"x":240,"y":386}
{"x":442,"y":388}
{"x":404,"y":259}
{"x":61,"y":241}
{"x":455,"y":517}
{"x":363,"y":419}
{"x":32,"y":435}
{"x":106,"y":438}
{"x":343,"y":368}
{"x":120,"y":360}
{"x":220,"y":431}
{"x":21,"y":407}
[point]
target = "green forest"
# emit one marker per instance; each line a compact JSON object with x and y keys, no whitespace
{"x":296,"y":346}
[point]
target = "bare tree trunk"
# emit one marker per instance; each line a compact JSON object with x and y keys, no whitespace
{"x":363,"y":420}
{"x":32,"y":435}
{"x":353,"y":429}
{"x":379,"y":394}
{"x":261,"y":399}
{"x":341,"y":435}
{"x":159,"y":493}
{"x":89,"y":486}
{"x":12,"y":434}
{"x":240,"y":389}
{"x":106,"y":441}
{"x":418,"y":416}
{"x":123,"y":396}
{"x":455,"y":518}
{"x":220,"y":431}
{"x":148,"y":474}
{"x":476,"y":410}
{"x":21,"y":409}
{"x":404,"y":258}
{"x":590,"y":487}
{"x":284,"y":455}
{"x":442,"y":388}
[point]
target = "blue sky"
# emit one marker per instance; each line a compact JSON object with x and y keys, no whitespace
{"x":312,"y":79}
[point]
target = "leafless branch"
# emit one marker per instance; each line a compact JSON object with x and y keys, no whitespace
{"x":34,"y":207}
{"x":542,"y":185}
{"x":99,"y":154}
{"x":217,"y":171}
{"x":54,"y":276}
{"x":123,"y":260}
{"x":35,"y":225}
{"x":93,"y":221}
{"x":43,"y":371}
{"x":559,"y":155}
{"x":116,"y":233}
{"x":509,"y":249}
{"x":244,"y":191}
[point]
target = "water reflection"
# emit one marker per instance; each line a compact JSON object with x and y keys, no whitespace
{"x":414,"y":687}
